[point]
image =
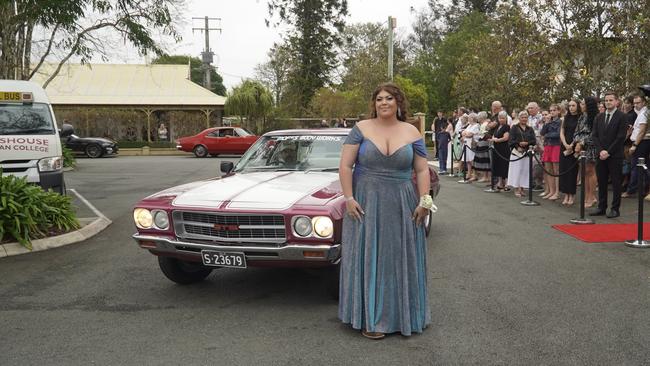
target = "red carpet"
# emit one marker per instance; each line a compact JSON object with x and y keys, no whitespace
{"x":603,"y":233}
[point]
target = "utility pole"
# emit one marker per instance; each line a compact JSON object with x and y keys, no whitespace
{"x":392,"y":23}
{"x":207,"y":56}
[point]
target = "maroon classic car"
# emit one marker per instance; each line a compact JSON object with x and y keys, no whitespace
{"x":217,"y":140}
{"x":281,"y":205}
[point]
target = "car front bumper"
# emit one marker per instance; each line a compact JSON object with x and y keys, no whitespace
{"x":305,"y":253}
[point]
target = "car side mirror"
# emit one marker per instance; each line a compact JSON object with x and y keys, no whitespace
{"x":227,"y":167}
{"x":66,"y":130}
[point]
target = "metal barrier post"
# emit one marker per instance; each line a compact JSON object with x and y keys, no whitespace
{"x":540,"y":189}
{"x":492,"y":178}
{"x":529,"y":201}
{"x":639,"y":242}
{"x":464,"y":181}
{"x":583,"y":164}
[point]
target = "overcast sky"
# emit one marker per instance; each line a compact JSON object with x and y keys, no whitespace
{"x":245,"y":39}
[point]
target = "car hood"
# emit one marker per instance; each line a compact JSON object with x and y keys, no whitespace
{"x":263,"y":191}
{"x":99,"y":140}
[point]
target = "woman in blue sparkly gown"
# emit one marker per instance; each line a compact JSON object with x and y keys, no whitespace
{"x":383,"y":283}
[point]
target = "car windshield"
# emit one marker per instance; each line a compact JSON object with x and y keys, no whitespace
{"x":25,"y":119}
{"x":243,"y":132}
{"x":300,"y":153}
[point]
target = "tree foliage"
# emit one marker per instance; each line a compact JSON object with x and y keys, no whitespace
{"x":274,"y":73}
{"x":55,"y":31}
{"x":313,"y":32}
{"x":251,"y":100}
{"x":196,"y":70}
{"x":416,"y":94}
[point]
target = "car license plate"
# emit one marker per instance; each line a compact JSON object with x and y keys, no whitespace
{"x":223,"y":259}
{"x":10,"y":96}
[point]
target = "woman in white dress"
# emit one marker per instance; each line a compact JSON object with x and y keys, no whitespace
{"x":470,"y":136}
{"x":522,"y":137}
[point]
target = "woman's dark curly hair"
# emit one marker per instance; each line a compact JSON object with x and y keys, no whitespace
{"x":400,"y":98}
{"x":591,"y":104}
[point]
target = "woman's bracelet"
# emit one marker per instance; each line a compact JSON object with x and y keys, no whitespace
{"x":349,"y":198}
{"x":426,"y":201}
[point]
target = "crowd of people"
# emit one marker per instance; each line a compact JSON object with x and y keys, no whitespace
{"x":494,"y":147}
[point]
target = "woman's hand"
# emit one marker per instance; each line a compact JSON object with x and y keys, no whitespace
{"x":354,"y":209}
{"x":419,"y":215}
{"x":578,"y":148}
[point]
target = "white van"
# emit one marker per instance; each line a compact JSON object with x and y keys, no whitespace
{"x":29,"y":138}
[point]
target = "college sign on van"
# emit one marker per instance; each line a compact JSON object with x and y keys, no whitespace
{"x":24,"y":144}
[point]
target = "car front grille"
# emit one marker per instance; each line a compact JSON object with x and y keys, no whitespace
{"x":236,"y":228}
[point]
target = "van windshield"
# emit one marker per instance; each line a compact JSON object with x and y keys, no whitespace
{"x":25,"y":119}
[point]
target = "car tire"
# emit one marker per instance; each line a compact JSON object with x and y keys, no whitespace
{"x":200,"y":151}
{"x":94,"y":151}
{"x":332,"y":278}
{"x":181,"y":272}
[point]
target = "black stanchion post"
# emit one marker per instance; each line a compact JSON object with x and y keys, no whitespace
{"x":540,"y":188}
{"x":639,"y":242}
{"x":464,"y":181}
{"x":531,"y":183}
{"x":493,"y":179}
{"x":583,"y":164}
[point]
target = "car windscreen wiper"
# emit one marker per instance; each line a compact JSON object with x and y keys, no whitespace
{"x":328,"y":169}
{"x":274,"y":168}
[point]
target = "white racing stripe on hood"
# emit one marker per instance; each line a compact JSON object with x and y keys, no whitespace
{"x":259,"y":191}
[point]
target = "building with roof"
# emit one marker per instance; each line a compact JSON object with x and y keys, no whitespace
{"x":145,"y":88}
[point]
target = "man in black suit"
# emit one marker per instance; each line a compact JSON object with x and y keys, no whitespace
{"x":437,"y":129}
{"x":608,"y":135}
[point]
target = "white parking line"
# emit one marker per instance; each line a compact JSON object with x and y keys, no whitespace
{"x":93,"y":208}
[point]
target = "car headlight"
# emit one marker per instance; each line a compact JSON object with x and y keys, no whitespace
{"x":160,"y":220}
{"x":50,"y":164}
{"x":143,"y":218}
{"x":302,"y":226}
{"x":323,"y":226}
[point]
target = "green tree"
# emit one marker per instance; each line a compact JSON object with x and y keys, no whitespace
{"x":416,"y":94}
{"x":313,"y":33}
{"x":513,"y":66}
{"x":250,"y":100}
{"x":69,"y":30}
{"x":275,"y":72}
{"x":196,"y":70}
{"x":365,"y":57}
{"x":330,"y":103}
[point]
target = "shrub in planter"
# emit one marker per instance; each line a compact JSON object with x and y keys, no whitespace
{"x":27,"y":212}
{"x":68,"y":158}
{"x":124,"y":144}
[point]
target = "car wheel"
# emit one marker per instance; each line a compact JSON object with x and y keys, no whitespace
{"x":332,"y":277}
{"x":93,"y":151}
{"x":181,"y":272}
{"x":200,"y":151}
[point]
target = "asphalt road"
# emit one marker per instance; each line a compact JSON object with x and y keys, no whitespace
{"x":505,"y":289}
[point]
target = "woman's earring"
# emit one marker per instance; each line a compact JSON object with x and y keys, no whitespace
{"x":399,"y":113}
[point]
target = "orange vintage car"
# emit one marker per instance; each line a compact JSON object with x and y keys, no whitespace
{"x":217,"y":140}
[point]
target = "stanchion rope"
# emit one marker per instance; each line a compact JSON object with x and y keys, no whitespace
{"x":559,"y":174}
{"x":508,"y":159}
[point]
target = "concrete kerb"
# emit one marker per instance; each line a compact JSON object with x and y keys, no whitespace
{"x":87,"y":231}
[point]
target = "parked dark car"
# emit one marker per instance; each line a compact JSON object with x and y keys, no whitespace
{"x":92,"y":147}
